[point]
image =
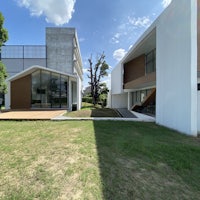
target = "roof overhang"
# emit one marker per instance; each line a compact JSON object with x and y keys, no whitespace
{"x":35,"y":68}
{"x":144,"y":45}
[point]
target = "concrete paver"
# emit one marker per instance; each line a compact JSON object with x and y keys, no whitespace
{"x":31,"y":115}
{"x":57,"y":115}
{"x":63,"y":118}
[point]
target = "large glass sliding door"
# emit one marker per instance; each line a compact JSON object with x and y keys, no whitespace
{"x":64,"y":92}
{"x":55,"y":90}
{"x":36,"y":99}
{"x":49,"y":90}
{"x":45,"y":89}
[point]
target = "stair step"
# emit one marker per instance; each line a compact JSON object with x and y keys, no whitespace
{"x":125,"y":113}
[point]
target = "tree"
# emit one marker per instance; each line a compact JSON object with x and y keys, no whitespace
{"x":96,"y":73}
{"x":103,"y":94}
{"x":3,"y":39}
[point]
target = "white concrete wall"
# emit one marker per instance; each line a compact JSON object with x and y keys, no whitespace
{"x":117,"y":79}
{"x":79,"y":93}
{"x":60,"y":49}
{"x":177,"y":67}
{"x":119,"y":100}
{"x":7,"y":96}
{"x":198,"y":113}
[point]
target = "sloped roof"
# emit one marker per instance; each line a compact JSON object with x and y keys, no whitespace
{"x":33,"y":69}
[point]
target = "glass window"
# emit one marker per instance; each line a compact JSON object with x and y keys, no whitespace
{"x":151,"y":62}
{"x":64,"y":91}
{"x":74,"y":92}
{"x":55,"y":90}
{"x":50,"y":90}
{"x":36,"y":100}
{"x":138,"y":96}
{"x":45,"y":92}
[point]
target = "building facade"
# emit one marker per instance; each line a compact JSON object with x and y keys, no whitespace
{"x":161,"y":72}
{"x":45,"y":76}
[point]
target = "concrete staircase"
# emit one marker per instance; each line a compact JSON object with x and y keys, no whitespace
{"x":125,"y":113}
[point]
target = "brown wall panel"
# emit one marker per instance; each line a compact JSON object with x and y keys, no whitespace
{"x":134,"y":69}
{"x":21,"y":93}
{"x":144,"y":81}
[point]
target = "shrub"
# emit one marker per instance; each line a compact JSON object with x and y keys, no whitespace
{"x":87,"y":99}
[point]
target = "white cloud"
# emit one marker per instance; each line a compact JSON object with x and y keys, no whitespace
{"x":119,"y":54}
{"x":165,"y":3}
{"x":115,"y":38}
{"x":81,"y":39}
{"x":130,"y":47}
{"x":56,"y":13}
{"x":85,"y":71}
{"x":140,"y":21}
{"x":130,"y":28}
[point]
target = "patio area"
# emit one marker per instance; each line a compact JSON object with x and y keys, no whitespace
{"x":31,"y":114}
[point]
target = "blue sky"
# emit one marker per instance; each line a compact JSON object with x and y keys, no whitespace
{"x":102,"y":25}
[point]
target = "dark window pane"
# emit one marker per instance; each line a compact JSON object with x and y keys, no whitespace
{"x":36,"y":92}
{"x":64,"y":91}
{"x":45,"y":91}
{"x":151,"y":62}
{"x":55,"y":90}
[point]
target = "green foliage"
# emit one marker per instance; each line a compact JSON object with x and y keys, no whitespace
{"x":3,"y":76}
{"x":97,"y":72}
{"x":3,"y":39}
{"x":103,"y":94}
{"x":87,"y":99}
{"x":3,"y":31}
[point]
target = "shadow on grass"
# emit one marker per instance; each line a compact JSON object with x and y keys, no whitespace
{"x":145,"y":161}
{"x":104,"y":112}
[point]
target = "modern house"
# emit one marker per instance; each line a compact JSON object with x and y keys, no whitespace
{"x":46,"y":76}
{"x":160,"y":74}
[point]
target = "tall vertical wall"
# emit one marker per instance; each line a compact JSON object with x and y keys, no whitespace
{"x":118,"y":99}
{"x":176,"y":48}
{"x":21,"y":93}
{"x":60,"y":49}
{"x":198,"y":34}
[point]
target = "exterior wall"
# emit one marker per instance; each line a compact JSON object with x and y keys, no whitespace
{"x":198,"y":113}
{"x":16,"y":65}
{"x":13,"y":66}
{"x":177,"y":67}
{"x":29,"y":62}
{"x":7,"y":96}
{"x":79,"y":93}
{"x":198,"y":33}
{"x":60,"y":49}
{"x":134,"y":69}
{"x":21,"y":93}
{"x":117,"y":80}
{"x":142,"y":82}
{"x":119,"y":100}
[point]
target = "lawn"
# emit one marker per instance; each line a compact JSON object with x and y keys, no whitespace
{"x":96,"y":160}
{"x":88,"y":110}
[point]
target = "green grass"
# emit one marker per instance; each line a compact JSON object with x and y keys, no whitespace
{"x":88,"y":110}
{"x":96,"y":160}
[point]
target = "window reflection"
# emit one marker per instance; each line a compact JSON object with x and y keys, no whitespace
{"x":49,"y":90}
